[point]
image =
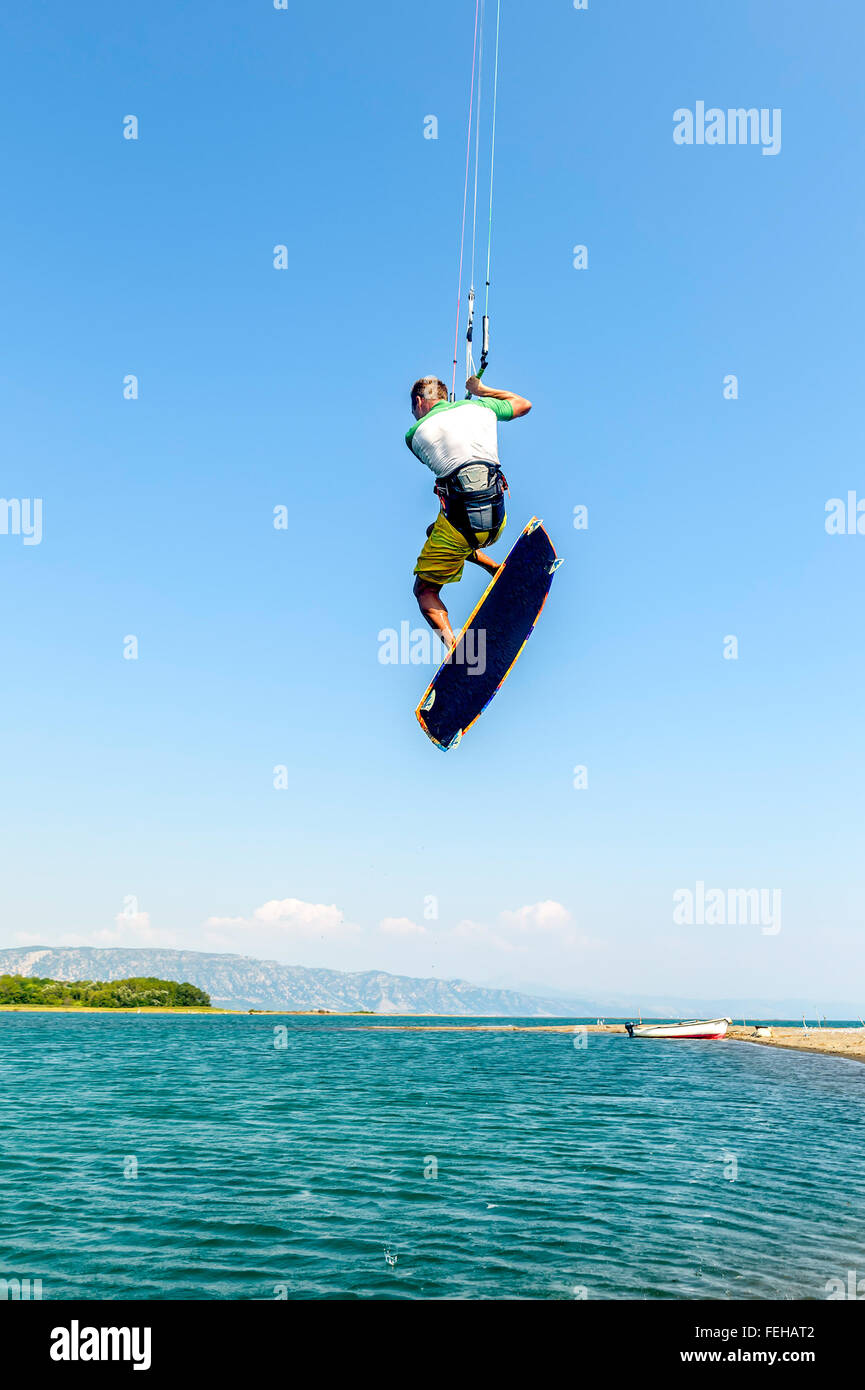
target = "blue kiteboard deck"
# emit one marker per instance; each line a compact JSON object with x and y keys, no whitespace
{"x":491,"y":640}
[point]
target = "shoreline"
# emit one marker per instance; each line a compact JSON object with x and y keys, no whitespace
{"x":199,"y":1009}
{"x":846,"y":1042}
{"x":827,"y":1042}
{"x":99,"y":1009}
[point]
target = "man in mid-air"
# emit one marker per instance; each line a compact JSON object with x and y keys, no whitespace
{"x":457,"y":440}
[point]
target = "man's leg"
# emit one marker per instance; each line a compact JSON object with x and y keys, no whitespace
{"x":432,"y":606}
{"x":478,"y":557}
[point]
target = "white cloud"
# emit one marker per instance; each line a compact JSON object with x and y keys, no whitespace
{"x":537,"y":927}
{"x":479,"y":934}
{"x":401,"y":926}
{"x":295,"y":918}
{"x":130,"y":929}
{"x":282,"y":919}
{"x":545,"y":916}
{"x":133,"y":929}
{"x":286,"y":928}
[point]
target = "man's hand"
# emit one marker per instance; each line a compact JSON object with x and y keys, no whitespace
{"x":519,"y":404}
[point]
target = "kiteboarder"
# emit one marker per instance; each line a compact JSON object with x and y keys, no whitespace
{"x":457,"y":440}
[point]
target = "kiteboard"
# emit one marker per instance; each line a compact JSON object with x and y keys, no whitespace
{"x":491,"y":640}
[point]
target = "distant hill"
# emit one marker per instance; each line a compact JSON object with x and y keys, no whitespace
{"x":240,"y":982}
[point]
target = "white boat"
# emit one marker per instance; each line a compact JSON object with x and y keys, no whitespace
{"x":692,"y":1028}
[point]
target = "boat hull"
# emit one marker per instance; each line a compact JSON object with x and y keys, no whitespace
{"x":694,"y":1028}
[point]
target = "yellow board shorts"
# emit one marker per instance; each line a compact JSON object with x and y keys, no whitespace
{"x":446,"y":551}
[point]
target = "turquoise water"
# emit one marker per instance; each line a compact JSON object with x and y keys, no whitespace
{"x":300,"y":1171}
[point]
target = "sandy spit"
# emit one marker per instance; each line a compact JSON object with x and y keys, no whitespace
{"x":835,"y":1042}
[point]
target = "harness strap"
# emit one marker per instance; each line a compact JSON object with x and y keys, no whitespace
{"x":471,"y":510}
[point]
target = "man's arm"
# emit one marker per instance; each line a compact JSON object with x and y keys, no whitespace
{"x":519,"y":405}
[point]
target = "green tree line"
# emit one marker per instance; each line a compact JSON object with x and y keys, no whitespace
{"x":136,"y":992}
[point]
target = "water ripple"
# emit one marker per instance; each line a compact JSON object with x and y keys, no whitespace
{"x":148,"y":1157}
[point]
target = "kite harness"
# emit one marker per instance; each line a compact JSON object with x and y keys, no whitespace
{"x":473,"y":499}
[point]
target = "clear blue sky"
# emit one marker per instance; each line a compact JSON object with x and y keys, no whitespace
{"x":153,"y":779}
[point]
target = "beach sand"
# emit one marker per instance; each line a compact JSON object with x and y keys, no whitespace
{"x":836,"y":1042}
{"x":92,"y":1009}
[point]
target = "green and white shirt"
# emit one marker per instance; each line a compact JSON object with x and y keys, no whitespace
{"x":458,"y":432}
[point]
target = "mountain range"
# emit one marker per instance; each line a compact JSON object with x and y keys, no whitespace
{"x":241,"y":982}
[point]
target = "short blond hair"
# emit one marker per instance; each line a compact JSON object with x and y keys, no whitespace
{"x":429,"y":388}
